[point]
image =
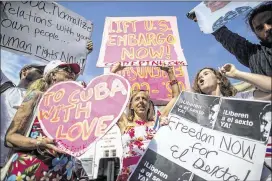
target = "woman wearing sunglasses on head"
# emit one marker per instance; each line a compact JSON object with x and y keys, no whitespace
{"x":35,"y":156}
{"x":138,"y":126}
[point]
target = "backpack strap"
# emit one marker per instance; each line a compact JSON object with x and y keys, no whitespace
{"x":6,"y":86}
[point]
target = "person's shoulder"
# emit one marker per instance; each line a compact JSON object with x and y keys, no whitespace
{"x":14,"y":92}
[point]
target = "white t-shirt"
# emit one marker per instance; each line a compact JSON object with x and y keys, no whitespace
{"x":11,"y":99}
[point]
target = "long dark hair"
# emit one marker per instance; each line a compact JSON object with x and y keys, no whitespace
{"x":265,"y":6}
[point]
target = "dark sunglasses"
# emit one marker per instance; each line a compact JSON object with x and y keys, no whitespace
{"x":66,"y":69}
{"x":37,"y":69}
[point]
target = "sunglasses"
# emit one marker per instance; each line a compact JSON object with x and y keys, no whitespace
{"x":66,"y":69}
{"x":37,"y":69}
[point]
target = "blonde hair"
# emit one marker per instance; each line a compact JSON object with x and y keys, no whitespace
{"x":38,"y":85}
{"x":150,"y":111}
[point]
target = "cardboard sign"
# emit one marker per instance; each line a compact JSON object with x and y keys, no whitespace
{"x":208,"y":152}
{"x":211,"y":15}
{"x":155,"y":80}
{"x":76,"y":116}
{"x":45,"y":31}
{"x":141,"y":41}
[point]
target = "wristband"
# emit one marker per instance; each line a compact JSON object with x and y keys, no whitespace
{"x":173,"y":82}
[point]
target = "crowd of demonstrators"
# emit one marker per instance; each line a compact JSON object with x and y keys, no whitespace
{"x":35,"y":156}
{"x":12,"y":97}
{"x":255,"y":56}
{"x":141,"y":122}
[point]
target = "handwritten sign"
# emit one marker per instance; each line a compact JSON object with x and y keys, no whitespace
{"x":141,"y":41}
{"x":45,"y":31}
{"x":211,"y":15}
{"x":77,"y":117}
{"x":155,"y":80}
{"x":205,"y":153}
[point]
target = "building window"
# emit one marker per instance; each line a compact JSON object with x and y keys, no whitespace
{"x":113,"y":153}
{"x":106,"y":153}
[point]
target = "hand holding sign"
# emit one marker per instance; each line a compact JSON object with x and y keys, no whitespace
{"x":117,"y":67}
{"x":76,"y":116}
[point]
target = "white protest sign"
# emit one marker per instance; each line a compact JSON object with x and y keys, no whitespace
{"x":45,"y":31}
{"x":208,"y":138}
{"x":212,"y":15}
{"x":209,"y":154}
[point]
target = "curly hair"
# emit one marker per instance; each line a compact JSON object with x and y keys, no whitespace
{"x":38,"y":85}
{"x":266,"y":6}
{"x":226,"y":88}
{"x":150,"y":112}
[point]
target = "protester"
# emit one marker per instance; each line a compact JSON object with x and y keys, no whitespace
{"x":36,"y":156}
{"x":11,"y":99}
{"x":255,"y":56}
{"x":138,"y":126}
{"x":30,"y":73}
{"x":211,"y":82}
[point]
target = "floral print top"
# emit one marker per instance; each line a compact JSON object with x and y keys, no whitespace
{"x":37,"y":166}
{"x":134,"y":140}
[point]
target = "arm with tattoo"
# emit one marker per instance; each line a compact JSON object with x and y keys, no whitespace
{"x":15,"y":135}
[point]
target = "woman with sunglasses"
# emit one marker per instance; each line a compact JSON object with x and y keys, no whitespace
{"x":138,"y":126}
{"x":36,"y":156}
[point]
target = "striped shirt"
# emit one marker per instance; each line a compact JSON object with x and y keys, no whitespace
{"x":257,"y":57}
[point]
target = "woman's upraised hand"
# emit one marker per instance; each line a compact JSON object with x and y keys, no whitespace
{"x":165,"y":68}
{"x":117,"y":67}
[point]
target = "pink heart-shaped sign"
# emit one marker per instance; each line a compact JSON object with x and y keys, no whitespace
{"x":77,"y":117}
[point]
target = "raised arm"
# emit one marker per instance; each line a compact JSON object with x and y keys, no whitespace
{"x":117,"y":67}
{"x":175,"y":90}
{"x":235,"y":44}
{"x":14,"y":136}
{"x":122,"y":123}
{"x":262,"y":82}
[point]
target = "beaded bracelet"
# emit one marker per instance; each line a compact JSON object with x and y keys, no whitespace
{"x":172,"y":82}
